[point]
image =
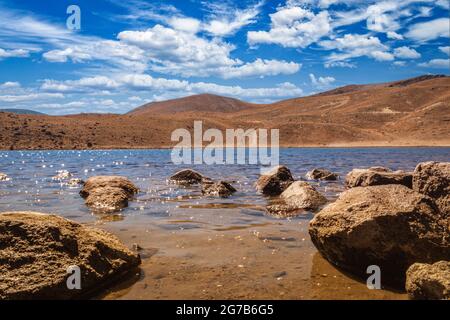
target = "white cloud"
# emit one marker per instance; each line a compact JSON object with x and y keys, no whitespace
{"x":10,"y":85}
{"x":183,"y":53}
{"x":445,"y":50}
{"x":293,"y":27}
{"x":356,"y":45}
{"x":185,"y":24}
{"x":443,"y":3}
{"x":30,"y":97}
{"x":14,"y":53}
{"x":394,"y":35}
{"x":437,"y":63}
{"x":321,"y":81}
{"x":406,"y":53}
{"x":226,"y":21}
{"x":161,"y":86}
{"x":430,"y":30}
{"x":75,"y":54}
{"x":399,"y":63}
{"x":262,"y":67}
{"x":339,"y":64}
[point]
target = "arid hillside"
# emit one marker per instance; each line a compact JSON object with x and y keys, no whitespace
{"x":413,"y":112}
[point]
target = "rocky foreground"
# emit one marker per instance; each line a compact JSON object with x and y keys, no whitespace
{"x":37,"y":250}
{"x":398,"y":221}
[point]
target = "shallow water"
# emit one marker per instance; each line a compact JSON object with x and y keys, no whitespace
{"x":199,"y":247}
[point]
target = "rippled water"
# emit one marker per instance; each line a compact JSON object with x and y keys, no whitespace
{"x":169,"y":210}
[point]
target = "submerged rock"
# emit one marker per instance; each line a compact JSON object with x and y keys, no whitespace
{"x":429,"y":281}
{"x":108,"y":181}
{"x":108,"y":193}
{"x":321,"y":174}
{"x":389,"y":226}
{"x":275,"y":181}
{"x":221,"y":189}
{"x":75,"y":182}
{"x":302,"y":195}
{"x":433,"y":180}
{"x":107,"y":199}
{"x":37,"y":249}
{"x":62,"y":175}
{"x":188,"y":177}
{"x":3,"y":176}
{"x":376,"y":176}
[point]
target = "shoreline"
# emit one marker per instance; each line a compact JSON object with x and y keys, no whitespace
{"x":376,"y":146}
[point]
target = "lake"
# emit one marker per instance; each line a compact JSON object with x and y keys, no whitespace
{"x":196,"y":247}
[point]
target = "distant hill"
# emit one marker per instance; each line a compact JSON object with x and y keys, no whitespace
{"x":21,"y":111}
{"x":196,"y":103}
{"x":411,"y":112}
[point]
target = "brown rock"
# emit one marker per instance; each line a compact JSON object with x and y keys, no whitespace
{"x":429,"y":281}
{"x":376,"y":176}
{"x":321,"y":174}
{"x":221,"y":189}
{"x":37,"y":249}
{"x":75,"y":182}
{"x":3,"y":176}
{"x":107,"y":199}
{"x":62,"y":175}
{"x":389,"y":226}
{"x":301,"y":195}
{"x":274,"y":182}
{"x":109,"y":181}
{"x":433,"y":180}
{"x":187,"y":177}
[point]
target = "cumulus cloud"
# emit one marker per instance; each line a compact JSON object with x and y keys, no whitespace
{"x":30,"y":97}
{"x":356,"y":45}
{"x":406,"y":53}
{"x":321,"y":82}
{"x":293,"y":26}
{"x":430,"y":30}
{"x":184,"y":53}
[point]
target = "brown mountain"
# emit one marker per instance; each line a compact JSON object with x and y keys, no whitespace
{"x":403,"y":113}
{"x":197,"y":103}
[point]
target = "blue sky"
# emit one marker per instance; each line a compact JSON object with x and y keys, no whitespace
{"x":128,"y":53}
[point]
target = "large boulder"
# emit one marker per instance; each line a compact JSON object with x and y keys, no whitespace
{"x":108,"y":193}
{"x":37,"y":249}
{"x":429,"y":281}
{"x":302,"y":195}
{"x":321,"y":174}
{"x":376,"y":176}
{"x":389,"y":226}
{"x":433,"y":179}
{"x":275,"y":181}
{"x":221,"y":189}
{"x":188,"y":177}
{"x":107,"y":199}
{"x":108,"y":181}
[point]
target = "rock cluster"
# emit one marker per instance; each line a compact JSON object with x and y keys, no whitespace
{"x":188,"y":177}
{"x":37,"y":249}
{"x":389,"y":225}
{"x":108,"y":193}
